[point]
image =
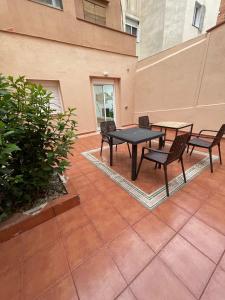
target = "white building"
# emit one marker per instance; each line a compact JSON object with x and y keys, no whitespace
{"x":161,"y":24}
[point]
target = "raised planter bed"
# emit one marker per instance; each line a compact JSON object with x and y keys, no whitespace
{"x":21,"y":222}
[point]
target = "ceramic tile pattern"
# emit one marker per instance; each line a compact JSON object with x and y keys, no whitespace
{"x":111,"y":247}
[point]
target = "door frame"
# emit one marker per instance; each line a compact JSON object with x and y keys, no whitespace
{"x":102,"y":83}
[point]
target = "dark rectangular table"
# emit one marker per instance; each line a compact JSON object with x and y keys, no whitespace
{"x":133,"y":136}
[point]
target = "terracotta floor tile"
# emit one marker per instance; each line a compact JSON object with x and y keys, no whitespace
{"x":130,"y":253}
{"x":39,"y":237}
{"x":222,"y":263}
{"x":126,"y":295}
{"x":63,"y":290}
{"x":172,"y":215}
{"x":10,"y":284}
{"x":71,"y":220}
{"x":216,"y":287}
{"x":212,"y":216}
{"x":109,"y":226}
{"x":88,"y":193}
{"x":129,"y":208}
{"x":218,"y":201}
{"x":187,"y":201}
{"x":199,"y":188}
{"x":99,"y":278}
{"x":80,"y":182}
{"x":106,"y":219}
{"x":205,"y":238}
{"x":44,"y":269}
{"x":80,"y":244}
{"x":190,"y":265}
{"x":95,"y":206}
{"x":11,"y":254}
{"x":159,"y":283}
{"x":154,"y":232}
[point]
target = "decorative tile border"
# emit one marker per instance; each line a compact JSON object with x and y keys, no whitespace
{"x":157,"y":197}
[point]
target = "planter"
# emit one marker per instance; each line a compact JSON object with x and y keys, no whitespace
{"x":21,"y":222}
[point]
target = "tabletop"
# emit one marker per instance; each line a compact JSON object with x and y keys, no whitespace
{"x":135,"y":135}
{"x":174,"y":125}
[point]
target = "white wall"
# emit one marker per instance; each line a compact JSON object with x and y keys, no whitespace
{"x":212,"y":10}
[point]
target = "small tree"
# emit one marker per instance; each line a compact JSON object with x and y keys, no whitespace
{"x":34,"y":142}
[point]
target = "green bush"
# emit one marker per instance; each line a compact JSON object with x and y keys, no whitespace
{"x":34,"y":143}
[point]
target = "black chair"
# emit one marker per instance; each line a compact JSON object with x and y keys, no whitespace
{"x":106,"y":127}
{"x":143,"y":122}
{"x":165,"y":158}
{"x":201,"y":141}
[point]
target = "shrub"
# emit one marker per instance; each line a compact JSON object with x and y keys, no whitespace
{"x":34,"y":143}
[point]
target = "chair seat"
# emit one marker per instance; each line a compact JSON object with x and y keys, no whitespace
{"x":200,"y":143}
{"x":117,"y":141}
{"x":157,"y":157}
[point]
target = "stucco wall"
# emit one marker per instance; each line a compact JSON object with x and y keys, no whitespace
{"x":152,"y":27}
{"x":184,"y":83}
{"x":211,"y":14}
{"x":30,"y":18}
{"x":74,"y":67}
{"x":166,"y":23}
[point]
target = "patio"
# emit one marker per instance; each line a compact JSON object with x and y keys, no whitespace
{"x":113,"y":247}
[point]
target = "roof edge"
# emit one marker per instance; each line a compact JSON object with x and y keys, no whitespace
{"x":216,"y":26}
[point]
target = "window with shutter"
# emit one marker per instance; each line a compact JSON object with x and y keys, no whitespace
{"x":132,"y":27}
{"x":199,"y":16}
{"x":53,"y":87}
{"x":94,"y":12}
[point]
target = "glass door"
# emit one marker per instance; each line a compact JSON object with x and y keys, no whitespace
{"x":104,"y":103}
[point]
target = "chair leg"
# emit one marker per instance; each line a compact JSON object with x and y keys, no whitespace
{"x":150,"y":144}
{"x":166,"y":180}
{"x":192,"y":150}
{"x":129,"y":149}
{"x":220,"y":154}
{"x":188,"y":148}
{"x":116,"y":148}
{"x":139,"y":166}
{"x":101,"y":148}
{"x":182,"y":165}
{"x":210,"y":158}
{"x":156,"y":165}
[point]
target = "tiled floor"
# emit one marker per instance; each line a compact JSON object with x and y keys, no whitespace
{"x":111,"y":247}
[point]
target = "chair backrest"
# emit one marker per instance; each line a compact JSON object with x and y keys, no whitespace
{"x":178,"y":147}
{"x":143,"y":122}
{"x":219,"y":135}
{"x":107,"y":126}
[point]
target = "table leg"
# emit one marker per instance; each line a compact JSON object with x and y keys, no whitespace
{"x":161,"y":142}
{"x":111,"y":150}
{"x":134,"y":163}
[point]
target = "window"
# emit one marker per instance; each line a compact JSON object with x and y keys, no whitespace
{"x":53,"y":87}
{"x":131,"y":27}
{"x":199,"y":15}
{"x":53,"y":3}
{"x":94,"y":12}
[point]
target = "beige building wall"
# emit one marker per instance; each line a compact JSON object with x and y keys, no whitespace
{"x":45,"y":43}
{"x":74,"y":67}
{"x":185,"y":83}
{"x":67,"y":25}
